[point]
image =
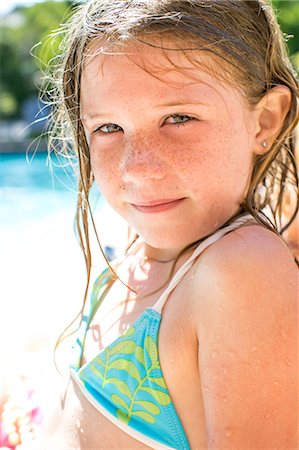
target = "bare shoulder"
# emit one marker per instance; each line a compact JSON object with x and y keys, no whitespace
{"x":256,"y":248}
{"x":245,"y":312}
{"x":249,"y":259}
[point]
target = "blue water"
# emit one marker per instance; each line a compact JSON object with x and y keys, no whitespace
{"x":33,"y":189}
{"x":18,"y":170}
{"x":38,"y":187}
{"x":42,"y":269}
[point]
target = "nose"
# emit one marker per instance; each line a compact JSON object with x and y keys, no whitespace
{"x":142,"y":161}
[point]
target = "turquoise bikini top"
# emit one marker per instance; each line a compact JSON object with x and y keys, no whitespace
{"x":124,"y":381}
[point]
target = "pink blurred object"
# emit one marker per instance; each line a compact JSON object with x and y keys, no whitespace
{"x":20,"y":416}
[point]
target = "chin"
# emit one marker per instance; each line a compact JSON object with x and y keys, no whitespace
{"x":167,"y":240}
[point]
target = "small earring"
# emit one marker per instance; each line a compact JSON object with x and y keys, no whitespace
{"x":264,"y":144}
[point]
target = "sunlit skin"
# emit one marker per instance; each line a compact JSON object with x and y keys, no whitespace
{"x":176,"y":173}
{"x":198,"y":151}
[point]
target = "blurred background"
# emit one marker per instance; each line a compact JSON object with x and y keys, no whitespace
{"x":41,"y":268}
{"x":41,"y":261}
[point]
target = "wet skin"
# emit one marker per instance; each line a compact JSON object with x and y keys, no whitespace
{"x":173,"y":156}
{"x":174,"y":173}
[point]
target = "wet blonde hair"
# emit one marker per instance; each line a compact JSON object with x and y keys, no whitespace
{"x":244,"y":35}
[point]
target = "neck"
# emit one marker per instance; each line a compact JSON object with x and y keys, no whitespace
{"x":159,"y":255}
{"x":162,"y":261}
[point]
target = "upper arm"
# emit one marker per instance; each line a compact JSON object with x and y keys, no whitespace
{"x":246,"y":319}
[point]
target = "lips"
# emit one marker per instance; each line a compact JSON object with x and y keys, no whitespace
{"x":157,"y":205}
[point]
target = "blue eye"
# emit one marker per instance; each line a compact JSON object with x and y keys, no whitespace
{"x":108,"y":128}
{"x":179,"y":119}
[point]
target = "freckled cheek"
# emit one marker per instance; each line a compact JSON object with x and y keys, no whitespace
{"x":104,"y":169}
{"x":200,"y":152}
{"x":211,"y":158}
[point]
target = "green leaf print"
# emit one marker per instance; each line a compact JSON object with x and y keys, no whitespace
{"x":151,"y":348}
{"x":130,"y":332}
{"x":126,"y":347}
{"x":161,"y":397}
{"x":139,"y":355}
{"x":145,"y":416}
{"x":122,"y":416}
{"x":119,"y":401}
{"x":121,"y":386}
{"x":149,"y":406}
{"x":135,"y":397}
{"x":98,"y":362}
{"x":95,"y":370}
{"x":128,"y":366}
{"x":159,"y":381}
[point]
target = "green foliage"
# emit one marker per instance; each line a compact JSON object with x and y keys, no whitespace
{"x":20,"y":32}
{"x":29,"y":27}
{"x":8,"y":104}
{"x":287,"y":12}
{"x":57,"y":13}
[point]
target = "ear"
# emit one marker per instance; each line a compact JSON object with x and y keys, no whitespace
{"x":271,"y":112}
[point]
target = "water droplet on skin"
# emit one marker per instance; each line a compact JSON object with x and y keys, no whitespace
{"x":221,"y":397}
{"x":211,"y":437}
{"x":253,"y":348}
{"x":215,"y":353}
{"x":78,"y":424}
{"x":228,"y":432}
{"x":283,"y":334}
{"x":277,"y":383}
{"x":289,"y":362}
{"x":267,"y":416}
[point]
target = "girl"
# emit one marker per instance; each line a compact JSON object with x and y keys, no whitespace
{"x":182,"y":112}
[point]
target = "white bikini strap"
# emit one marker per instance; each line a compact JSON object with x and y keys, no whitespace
{"x":186,"y":266}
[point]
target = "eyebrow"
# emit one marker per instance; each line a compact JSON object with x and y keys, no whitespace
{"x":91,"y":115}
{"x":180,"y":103}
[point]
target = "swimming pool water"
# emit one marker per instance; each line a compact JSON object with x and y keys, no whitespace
{"x":42,"y":269}
{"x":31,"y":190}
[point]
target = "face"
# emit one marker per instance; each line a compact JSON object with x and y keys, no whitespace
{"x":171,"y":149}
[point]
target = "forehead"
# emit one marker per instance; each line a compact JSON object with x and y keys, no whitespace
{"x":161,"y":57}
{"x":146,"y":71}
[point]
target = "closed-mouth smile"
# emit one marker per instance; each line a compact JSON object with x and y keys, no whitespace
{"x":159,"y":205}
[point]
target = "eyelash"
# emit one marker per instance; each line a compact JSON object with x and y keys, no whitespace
{"x":190,"y":119}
